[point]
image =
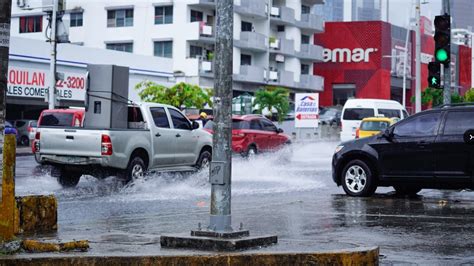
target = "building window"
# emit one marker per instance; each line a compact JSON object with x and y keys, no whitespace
{"x":120,"y":18}
{"x":247,"y":26}
{"x":304,"y":69}
{"x":123,"y":47}
{"x":31,"y":24}
{"x":196,"y":16}
{"x":305,"y":39}
{"x":76,"y":20}
{"x":245,"y":60}
{"x":195,"y":51}
{"x":163,"y":49}
{"x":163,"y":15}
{"x":280,"y":28}
{"x":305,"y":9}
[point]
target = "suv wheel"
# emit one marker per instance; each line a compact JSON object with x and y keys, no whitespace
{"x":66,"y":178}
{"x":136,"y":169}
{"x":406,"y":190}
{"x":24,"y":141}
{"x":358,"y":179}
{"x":204,"y":160}
{"x":251,"y":152}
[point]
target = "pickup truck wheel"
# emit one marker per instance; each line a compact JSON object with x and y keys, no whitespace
{"x":204,"y":160}
{"x":66,"y":178}
{"x":358,"y":179}
{"x":136,"y":169}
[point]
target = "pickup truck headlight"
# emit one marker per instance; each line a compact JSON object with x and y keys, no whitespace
{"x":338,"y":148}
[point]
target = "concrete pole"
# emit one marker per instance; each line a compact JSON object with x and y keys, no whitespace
{"x":52,"y":64}
{"x":5,"y":15}
{"x":418,"y":58}
{"x":221,"y":166}
{"x":405,"y":62}
{"x":7,"y":210}
{"x":447,"y":69}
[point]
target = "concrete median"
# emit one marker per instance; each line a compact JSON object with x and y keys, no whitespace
{"x":358,"y":256}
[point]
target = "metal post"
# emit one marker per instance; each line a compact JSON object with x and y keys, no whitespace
{"x":447,"y":69}
{"x":418,"y":58}
{"x":221,"y":166}
{"x":52,"y":65}
{"x":5,"y":14}
{"x":405,"y":62}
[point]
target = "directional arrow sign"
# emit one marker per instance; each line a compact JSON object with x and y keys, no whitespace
{"x":306,"y":110}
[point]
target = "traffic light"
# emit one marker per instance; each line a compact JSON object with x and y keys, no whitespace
{"x":442,"y":39}
{"x":434,"y":75}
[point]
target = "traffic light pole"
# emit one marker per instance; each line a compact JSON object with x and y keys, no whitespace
{"x":418,"y":58}
{"x":447,"y":67}
{"x":52,"y":68}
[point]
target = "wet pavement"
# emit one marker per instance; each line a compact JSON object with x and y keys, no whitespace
{"x":297,"y":201}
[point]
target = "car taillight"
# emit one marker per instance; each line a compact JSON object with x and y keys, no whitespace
{"x":38,"y":136}
{"x":106,"y":145}
{"x":36,"y":143}
{"x":357,"y":133}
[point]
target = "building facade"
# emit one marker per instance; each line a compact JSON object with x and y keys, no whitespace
{"x":461,"y":13}
{"x":366,"y":10}
{"x":273,"y":40}
{"x":332,"y":10}
{"x":366,"y":60}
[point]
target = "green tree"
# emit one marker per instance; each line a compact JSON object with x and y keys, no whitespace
{"x":469,"y":96}
{"x":430,"y":95}
{"x":273,"y":98}
{"x":456,"y":98}
{"x":180,"y":95}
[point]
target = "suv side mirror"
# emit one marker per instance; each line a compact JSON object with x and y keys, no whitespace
{"x":279,"y":130}
{"x":388,"y":133}
{"x":195,"y":125}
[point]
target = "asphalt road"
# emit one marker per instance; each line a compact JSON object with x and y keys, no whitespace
{"x":297,"y":201}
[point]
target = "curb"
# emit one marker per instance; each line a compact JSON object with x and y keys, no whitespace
{"x":358,"y":256}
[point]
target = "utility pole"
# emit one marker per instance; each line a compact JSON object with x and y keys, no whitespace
{"x":221,"y":166}
{"x":418,"y":58}
{"x":447,"y":67}
{"x":5,"y":15}
{"x":52,"y":65}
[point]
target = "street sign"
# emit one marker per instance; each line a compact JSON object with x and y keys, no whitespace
{"x":306,"y":110}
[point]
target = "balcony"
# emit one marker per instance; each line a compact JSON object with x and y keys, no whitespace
{"x":200,"y":32}
{"x":204,"y":3}
{"x":282,"y":15}
{"x":252,"y":41}
{"x":311,"y":22}
{"x":311,"y":82}
{"x":256,"y":9}
{"x":311,"y":52}
{"x":281,"y":78}
{"x":282,"y":46}
{"x":252,"y":74}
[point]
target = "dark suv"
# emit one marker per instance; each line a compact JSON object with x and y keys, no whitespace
{"x":432,"y":149}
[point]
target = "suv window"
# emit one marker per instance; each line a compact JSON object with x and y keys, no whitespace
{"x":457,"y":123}
{"x":57,"y":119}
{"x":255,"y":125}
{"x":423,"y":125}
{"x":239,"y":124}
{"x":159,"y":117}
{"x":268,"y":125}
{"x":389,"y":112}
{"x":357,"y":113}
{"x":179,"y":121}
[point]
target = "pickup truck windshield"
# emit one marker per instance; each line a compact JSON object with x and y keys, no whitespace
{"x":57,"y":119}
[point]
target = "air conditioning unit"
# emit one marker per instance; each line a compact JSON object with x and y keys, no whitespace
{"x":207,"y":30}
{"x":206,"y":66}
{"x":280,"y":58}
{"x":275,"y":44}
{"x":273,"y":76}
{"x":275,"y":12}
{"x":48,"y":5}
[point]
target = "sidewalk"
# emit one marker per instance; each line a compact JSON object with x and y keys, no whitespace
{"x":23,"y":151}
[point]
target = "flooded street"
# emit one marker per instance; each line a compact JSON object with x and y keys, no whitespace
{"x":298,"y":201}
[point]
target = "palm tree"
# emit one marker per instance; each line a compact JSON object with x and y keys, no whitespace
{"x":273,"y":98}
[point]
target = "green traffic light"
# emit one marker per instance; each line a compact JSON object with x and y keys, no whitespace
{"x":441,"y":55}
{"x":434,"y":81}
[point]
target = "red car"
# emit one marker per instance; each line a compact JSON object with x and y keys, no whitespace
{"x":252,"y":134}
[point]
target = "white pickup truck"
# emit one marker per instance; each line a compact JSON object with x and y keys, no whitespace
{"x":159,"y":137}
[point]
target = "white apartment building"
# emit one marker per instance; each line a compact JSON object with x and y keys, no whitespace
{"x":273,"y":39}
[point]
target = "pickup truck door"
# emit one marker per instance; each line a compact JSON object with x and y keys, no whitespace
{"x":163,"y":139}
{"x":185,"y":139}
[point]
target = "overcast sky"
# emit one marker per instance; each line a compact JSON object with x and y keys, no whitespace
{"x":400,"y":10}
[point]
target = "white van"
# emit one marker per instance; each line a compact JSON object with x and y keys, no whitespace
{"x":357,"y":109}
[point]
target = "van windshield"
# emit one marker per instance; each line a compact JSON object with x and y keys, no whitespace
{"x":57,"y":119}
{"x":357,"y":113}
